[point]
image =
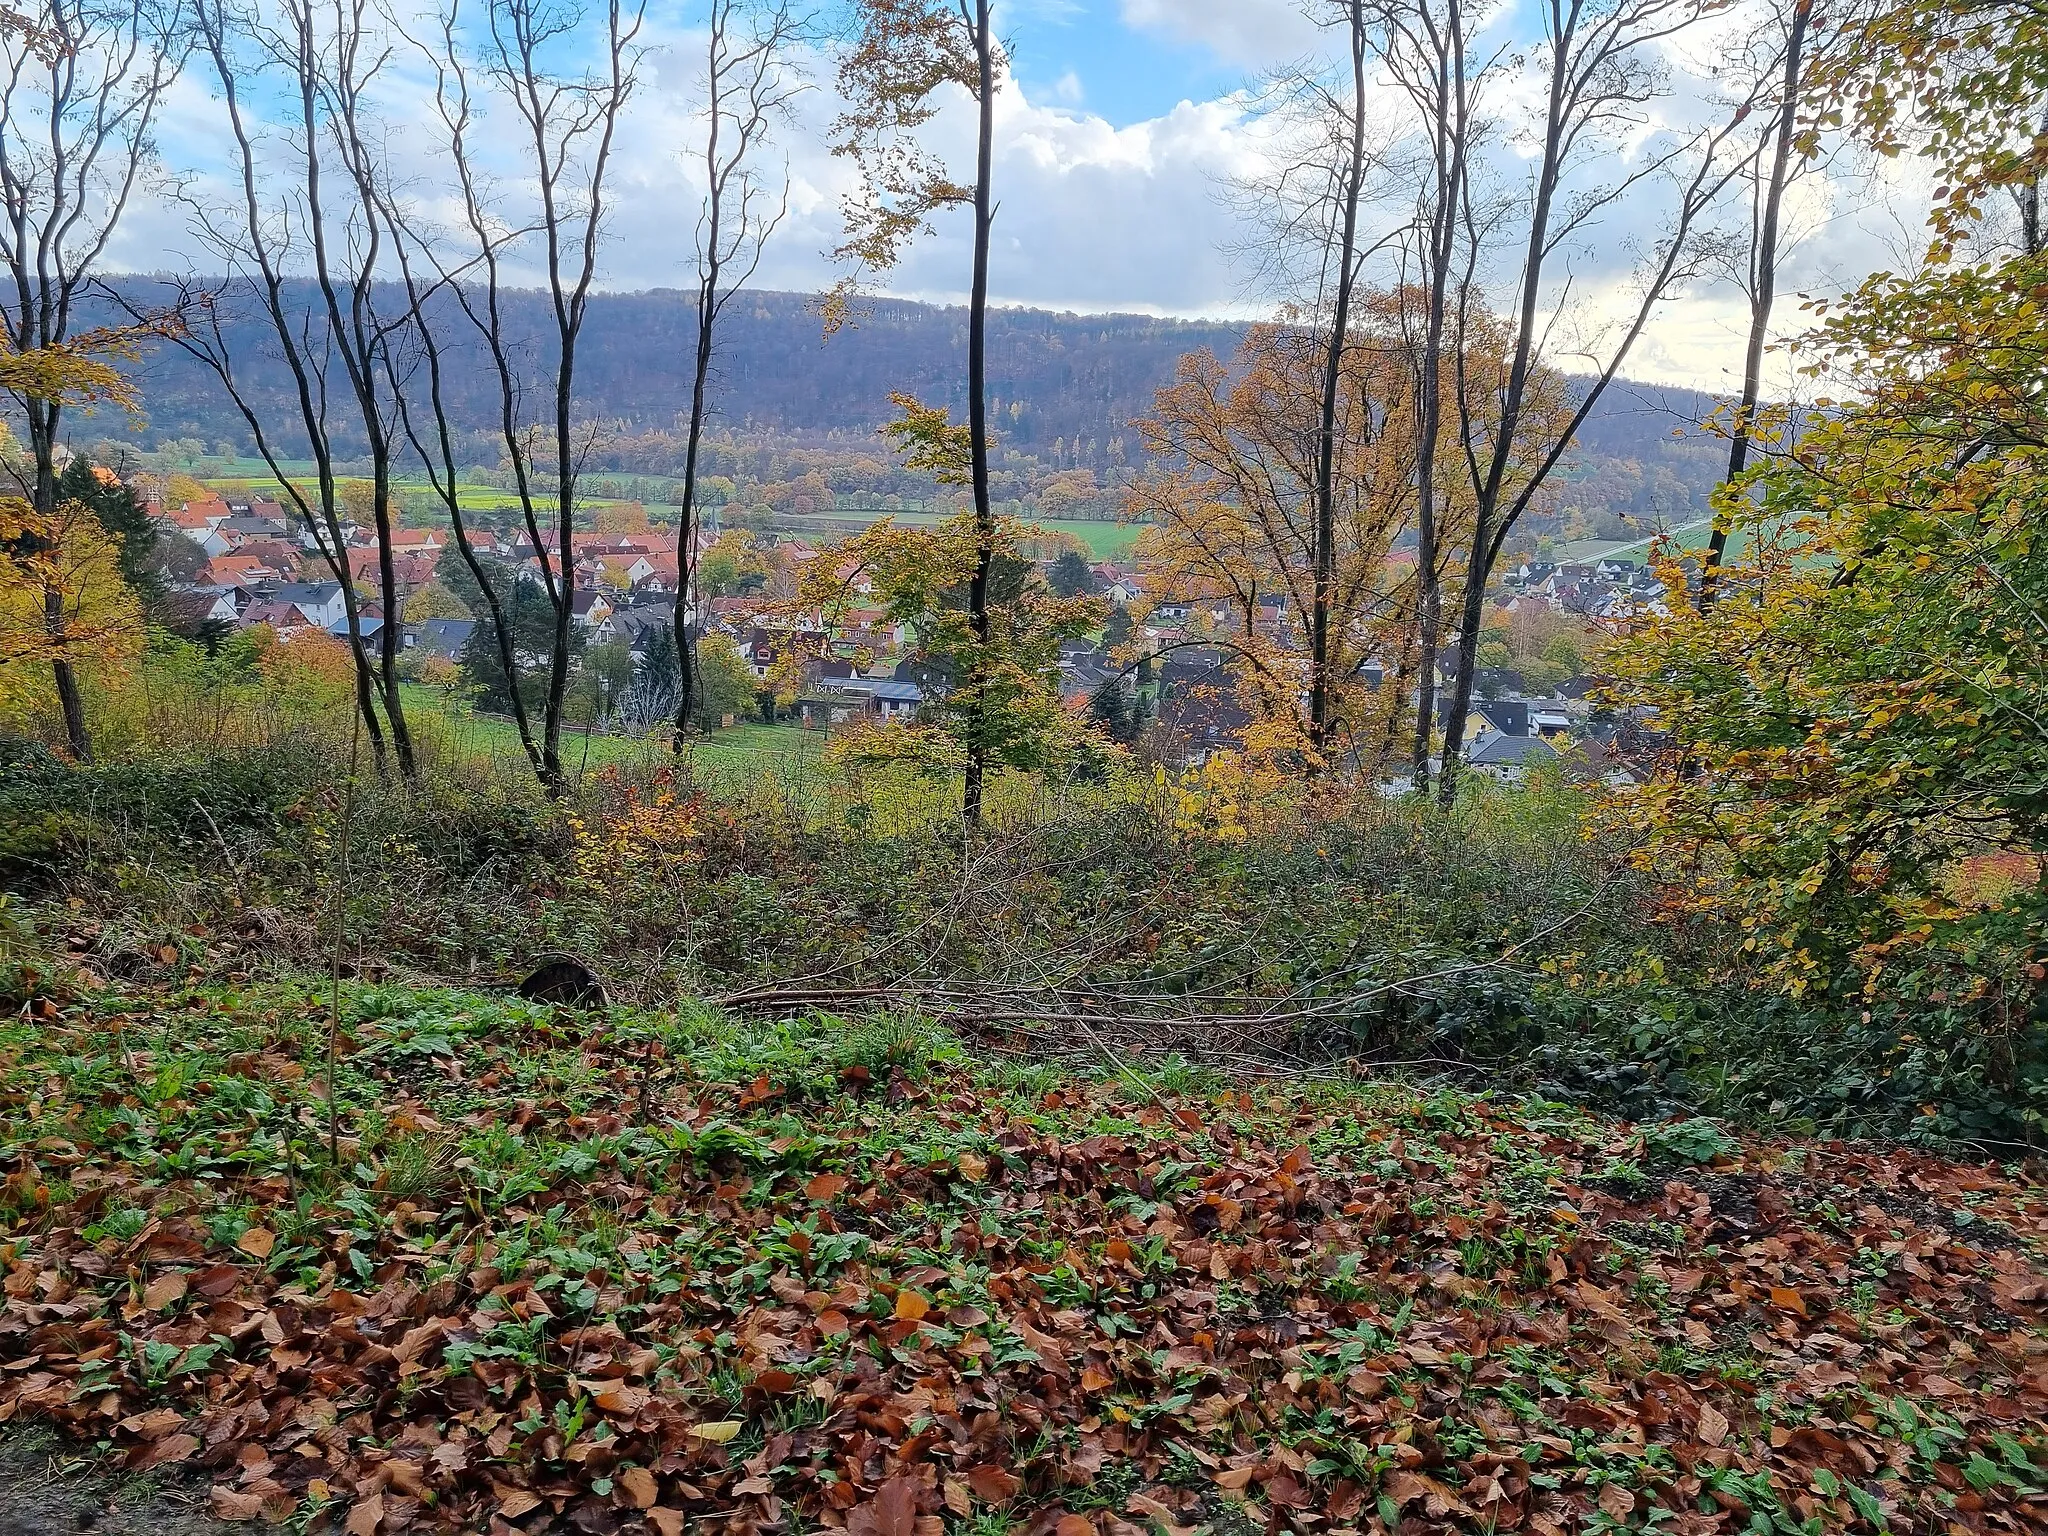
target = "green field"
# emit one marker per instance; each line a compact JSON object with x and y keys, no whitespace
{"x":735,"y":755}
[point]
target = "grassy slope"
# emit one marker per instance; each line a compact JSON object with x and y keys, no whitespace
{"x":641,"y":1271}
{"x":742,"y":750}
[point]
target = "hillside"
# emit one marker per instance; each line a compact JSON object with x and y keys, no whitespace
{"x":1065,"y":390}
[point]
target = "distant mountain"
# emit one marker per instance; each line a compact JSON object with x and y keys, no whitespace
{"x":1065,"y":388}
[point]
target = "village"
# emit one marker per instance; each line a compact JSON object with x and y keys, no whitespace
{"x":1160,"y":669}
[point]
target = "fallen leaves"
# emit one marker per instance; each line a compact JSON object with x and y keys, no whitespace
{"x":1442,"y":1315}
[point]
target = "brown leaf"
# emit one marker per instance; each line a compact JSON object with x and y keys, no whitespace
{"x":1234,"y":1478}
{"x":368,"y":1514}
{"x":973,"y":1169}
{"x":891,"y":1512}
{"x":1405,"y":1487}
{"x":232,"y":1504}
{"x":824,"y":1187}
{"x":621,"y":1398}
{"x":669,"y":1522}
{"x":992,"y":1484}
{"x":1074,"y":1525}
{"x":640,"y":1487}
{"x":257,"y":1243}
{"x":162,"y":1452}
{"x":165,"y":1289}
{"x":1787,"y":1299}
{"x":514,"y":1502}
{"x":1713,"y":1426}
{"x":1617,"y":1501}
{"x":911,"y":1307}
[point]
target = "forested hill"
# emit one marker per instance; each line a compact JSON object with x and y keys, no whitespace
{"x":1057,"y":380}
{"x":1065,"y":388}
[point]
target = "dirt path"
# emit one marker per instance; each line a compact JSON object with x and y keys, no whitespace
{"x":47,"y":1489}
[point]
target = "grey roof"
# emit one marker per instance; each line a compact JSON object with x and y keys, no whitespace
{"x":315,"y":592}
{"x":1494,"y":750}
{"x":443,"y":637}
{"x":898,"y":693}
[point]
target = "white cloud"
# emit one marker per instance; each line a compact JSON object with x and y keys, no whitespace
{"x":1251,"y":34}
{"x":1092,"y":216}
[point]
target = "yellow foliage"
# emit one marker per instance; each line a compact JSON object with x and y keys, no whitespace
{"x":1231,"y":796}
{"x":646,"y":836}
{"x":61,"y":598}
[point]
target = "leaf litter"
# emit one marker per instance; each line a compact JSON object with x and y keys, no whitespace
{"x":678,"y":1274}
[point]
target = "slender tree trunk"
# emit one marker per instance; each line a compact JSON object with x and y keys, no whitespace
{"x":1489,"y":498}
{"x":360,"y":369}
{"x":1449,"y":156}
{"x":686,"y":531}
{"x":977,"y":423}
{"x":42,"y":424}
{"x":1321,"y":691}
{"x":691,"y":515}
{"x":1764,"y":291}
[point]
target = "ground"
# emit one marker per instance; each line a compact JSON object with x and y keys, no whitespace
{"x":528,"y":1270}
{"x":49,"y":1486}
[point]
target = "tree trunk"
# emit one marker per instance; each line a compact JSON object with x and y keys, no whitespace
{"x":1764,"y":292}
{"x":977,"y":424}
{"x":1489,"y":498}
{"x":686,"y":532}
{"x":1449,"y":155}
{"x":42,"y":432}
{"x":1325,"y":553}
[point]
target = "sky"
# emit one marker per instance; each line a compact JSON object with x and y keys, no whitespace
{"x":1124,"y":135}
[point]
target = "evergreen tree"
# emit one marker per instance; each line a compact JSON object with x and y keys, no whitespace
{"x":1071,"y":575}
{"x":121,"y":513}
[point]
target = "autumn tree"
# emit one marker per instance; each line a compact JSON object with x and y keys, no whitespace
{"x":1856,"y":762}
{"x":1231,"y":508}
{"x":1858,"y":769}
{"x":993,"y":682}
{"x":903,"y":56}
{"x":63,"y":601}
{"x":86,"y":83}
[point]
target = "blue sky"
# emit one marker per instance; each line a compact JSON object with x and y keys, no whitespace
{"x":1123,"y":143}
{"x":1125,"y":72}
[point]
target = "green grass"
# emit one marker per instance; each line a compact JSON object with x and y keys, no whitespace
{"x":742,"y":752}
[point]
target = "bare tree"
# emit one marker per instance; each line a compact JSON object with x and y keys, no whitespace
{"x":83,"y":83}
{"x":1423,"y":50}
{"x":281,"y":221}
{"x":1599,"y":73}
{"x":437,"y":453}
{"x":566,"y":122}
{"x":904,"y":52}
{"x":1765,"y":250}
{"x":749,"y":84}
{"x":1349,"y":187}
{"x":331,"y":76}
